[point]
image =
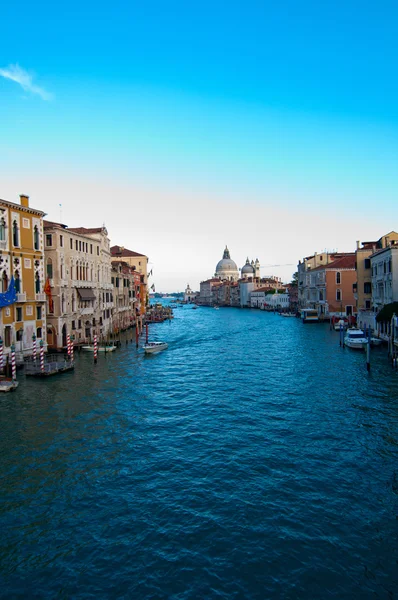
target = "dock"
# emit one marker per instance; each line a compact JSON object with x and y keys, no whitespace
{"x":53,"y":364}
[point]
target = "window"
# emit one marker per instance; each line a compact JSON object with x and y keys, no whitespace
{"x":15,"y":234}
{"x":73,"y":325}
{"x":39,"y":332}
{"x":38,"y":313}
{"x":7,"y":336}
{"x":29,"y":311}
{"x":91,"y":248}
{"x":71,"y":243}
{"x":77,"y":245}
{"x":4,"y":281}
{"x":338,"y":295}
{"x":18,"y":313}
{"x":49,"y":239}
{"x":367,"y":287}
{"x":367,"y":304}
{"x":338,"y":278}
{"x":50,"y":268}
{"x":17,"y":282}
{"x":63,"y":305}
{"x":79,"y":324}
{"x":2,"y":230}
{"x":384,"y":267}
{"x":36,"y":240}
{"x":97,"y":250}
{"x":367,"y":263}
{"x":390,"y":265}
{"x":25,"y":223}
{"x":61,"y":240}
{"x":27,"y":263}
{"x":19,"y":335}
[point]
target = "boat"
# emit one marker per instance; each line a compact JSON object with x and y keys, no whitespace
{"x":287,"y":314}
{"x":8,"y":385}
{"x":375,"y":341}
{"x":152,"y":347}
{"x":194,"y":307}
{"x":309,"y":315}
{"x":107,"y":348}
{"x":216,"y":307}
{"x":355,"y":339}
{"x":341,"y":323}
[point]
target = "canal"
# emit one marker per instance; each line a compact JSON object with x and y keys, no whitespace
{"x":252,"y":459}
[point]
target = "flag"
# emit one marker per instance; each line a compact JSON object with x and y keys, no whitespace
{"x":47,"y":291}
{"x":10,"y":296}
{"x":153,"y":287}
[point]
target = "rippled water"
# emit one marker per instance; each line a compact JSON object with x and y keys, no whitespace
{"x":253,"y":459}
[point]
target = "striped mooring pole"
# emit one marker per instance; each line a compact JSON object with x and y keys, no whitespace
{"x":34,"y":354}
{"x":1,"y":354}
{"x":68,"y":344}
{"x":13,"y":363}
{"x":41,"y":356}
{"x":71,"y":349}
{"x":95,"y":349}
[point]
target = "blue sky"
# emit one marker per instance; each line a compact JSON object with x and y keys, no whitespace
{"x":232,"y":122}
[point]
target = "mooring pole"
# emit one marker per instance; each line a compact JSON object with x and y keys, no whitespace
{"x":368,"y":352}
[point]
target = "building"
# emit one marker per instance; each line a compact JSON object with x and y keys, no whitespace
{"x":226,"y":268}
{"x":331,"y":287}
{"x":80,"y":292}
{"x":21,"y":257}
{"x":126,"y":289}
{"x":189,"y":295}
{"x":271,"y":299}
{"x":139,"y":262}
{"x":306,"y":294}
{"x":251,"y":269}
{"x":206,"y":290}
{"x":384,"y":268}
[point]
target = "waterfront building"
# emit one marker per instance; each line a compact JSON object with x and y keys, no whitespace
{"x":307,"y":295}
{"x":206,"y":288}
{"x":384,"y":267}
{"x":79,"y":290}
{"x":139,"y":262}
{"x":21,"y":257}
{"x":189,"y":295}
{"x":226,"y":268}
{"x":126,"y":290}
{"x":331,"y":287}
{"x":269,"y":298}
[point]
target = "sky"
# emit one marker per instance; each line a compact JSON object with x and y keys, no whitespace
{"x":185,"y":126}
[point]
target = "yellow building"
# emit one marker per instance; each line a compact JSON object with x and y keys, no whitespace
{"x":139,"y":262}
{"x":21,"y":257}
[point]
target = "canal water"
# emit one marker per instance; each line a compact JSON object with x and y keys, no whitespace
{"x":252,"y":459}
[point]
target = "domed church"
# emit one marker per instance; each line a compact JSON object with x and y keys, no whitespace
{"x":251,"y":269}
{"x":226,"y":268}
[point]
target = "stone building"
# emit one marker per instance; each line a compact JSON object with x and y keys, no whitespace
{"x":139,"y":263}
{"x":21,"y":257}
{"x":126,"y":290}
{"x":226,"y":268}
{"x":78,"y":270}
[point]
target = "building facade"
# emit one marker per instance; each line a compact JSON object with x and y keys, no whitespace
{"x":22,"y":257}
{"x":80,"y":292}
{"x":139,"y":263}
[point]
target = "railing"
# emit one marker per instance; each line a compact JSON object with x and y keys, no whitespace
{"x":40,"y":297}
{"x":89,"y":310}
{"x":3,"y":244}
{"x":21,"y":297}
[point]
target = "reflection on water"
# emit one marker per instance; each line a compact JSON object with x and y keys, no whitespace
{"x":252,"y":459}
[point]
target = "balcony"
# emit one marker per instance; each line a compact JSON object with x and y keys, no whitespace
{"x":21,"y":297}
{"x":89,"y":310}
{"x":77,"y":283}
{"x":40,"y":297}
{"x":3,"y":244}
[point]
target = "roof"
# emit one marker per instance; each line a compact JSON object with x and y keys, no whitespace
{"x":211,"y":280}
{"x":52,"y":224}
{"x":27,"y":209}
{"x":85,"y":230}
{"x":121,"y":251}
{"x":263,"y":289}
{"x":345,"y":262}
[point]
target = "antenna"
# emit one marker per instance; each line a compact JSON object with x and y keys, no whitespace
{"x":60,"y":213}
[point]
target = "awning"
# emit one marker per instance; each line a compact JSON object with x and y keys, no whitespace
{"x":86,"y":294}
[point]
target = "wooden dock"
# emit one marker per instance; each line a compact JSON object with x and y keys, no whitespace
{"x":53,"y":364}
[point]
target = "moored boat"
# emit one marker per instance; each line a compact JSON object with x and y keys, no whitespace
{"x":355,"y":339}
{"x":8,"y":385}
{"x":309,"y":315}
{"x":108,"y":348}
{"x":152,"y":347}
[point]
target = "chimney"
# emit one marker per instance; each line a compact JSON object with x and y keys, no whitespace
{"x":358,"y":244}
{"x":24,"y":200}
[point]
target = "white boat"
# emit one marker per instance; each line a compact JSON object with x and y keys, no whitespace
{"x":152,"y":347}
{"x":216,"y":307}
{"x":342,"y":323}
{"x":355,"y":339}
{"x":90,"y":348}
{"x":287,"y":314}
{"x":374,"y":341}
{"x":8,"y":385}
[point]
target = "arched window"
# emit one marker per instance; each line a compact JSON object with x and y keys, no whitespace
{"x":15,"y":234}
{"x":91,"y":274}
{"x":49,"y":268}
{"x":73,"y":303}
{"x":37,"y":282}
{"x":36,"y":241}
{"x":4,"y":281}
{"x":2,"y":230}
{"x":63,"y":306}
{"x":39,"y":332}
{"x":71,"y":269}
{"x":17,"y":282}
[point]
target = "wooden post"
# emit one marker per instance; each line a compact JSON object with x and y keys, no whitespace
{"x":136,"y":334}
{"x":368,"y":352}
{"x":146,"y":331}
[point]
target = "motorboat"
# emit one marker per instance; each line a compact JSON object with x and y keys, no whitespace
{"x":216,"y":307}
{"x":355,"y":339}
{"x":152,"y":347}
{"x":288,"y":314}
{"x":340,"y":324}
{"x":8,"y":385}
{"x":107,"y":348}
{"x":194,"y":307}
{"x":375,"y":341}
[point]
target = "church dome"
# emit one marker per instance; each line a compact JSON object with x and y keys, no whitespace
{"x":248,"y":269}
{"x":226,"y":268}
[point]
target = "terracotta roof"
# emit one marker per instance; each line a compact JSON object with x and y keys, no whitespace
{"x":84,"y":230}
{"x":121,"y":251}
{"x":48,"y":224}
{"x":346,"y":262}
{"x":264,"y":289}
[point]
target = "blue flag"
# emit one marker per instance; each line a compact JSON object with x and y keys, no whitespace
{"x":10,"y":296}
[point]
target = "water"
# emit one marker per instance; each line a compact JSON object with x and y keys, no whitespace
{"x":253,"y":459}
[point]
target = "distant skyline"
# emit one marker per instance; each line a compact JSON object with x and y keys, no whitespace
{"x":272,"y":128}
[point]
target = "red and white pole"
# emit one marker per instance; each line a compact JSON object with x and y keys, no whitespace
{"x":71,"y":351}
{"x":13,"y":362}
{"x":41,"y":356}
{"x":1,"y":354}
{"x":68,"y":344}
{"x":95,"y":349}
{"x":34,"y":347}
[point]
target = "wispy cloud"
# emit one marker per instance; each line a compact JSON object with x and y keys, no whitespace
{"x":25,"y":80}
